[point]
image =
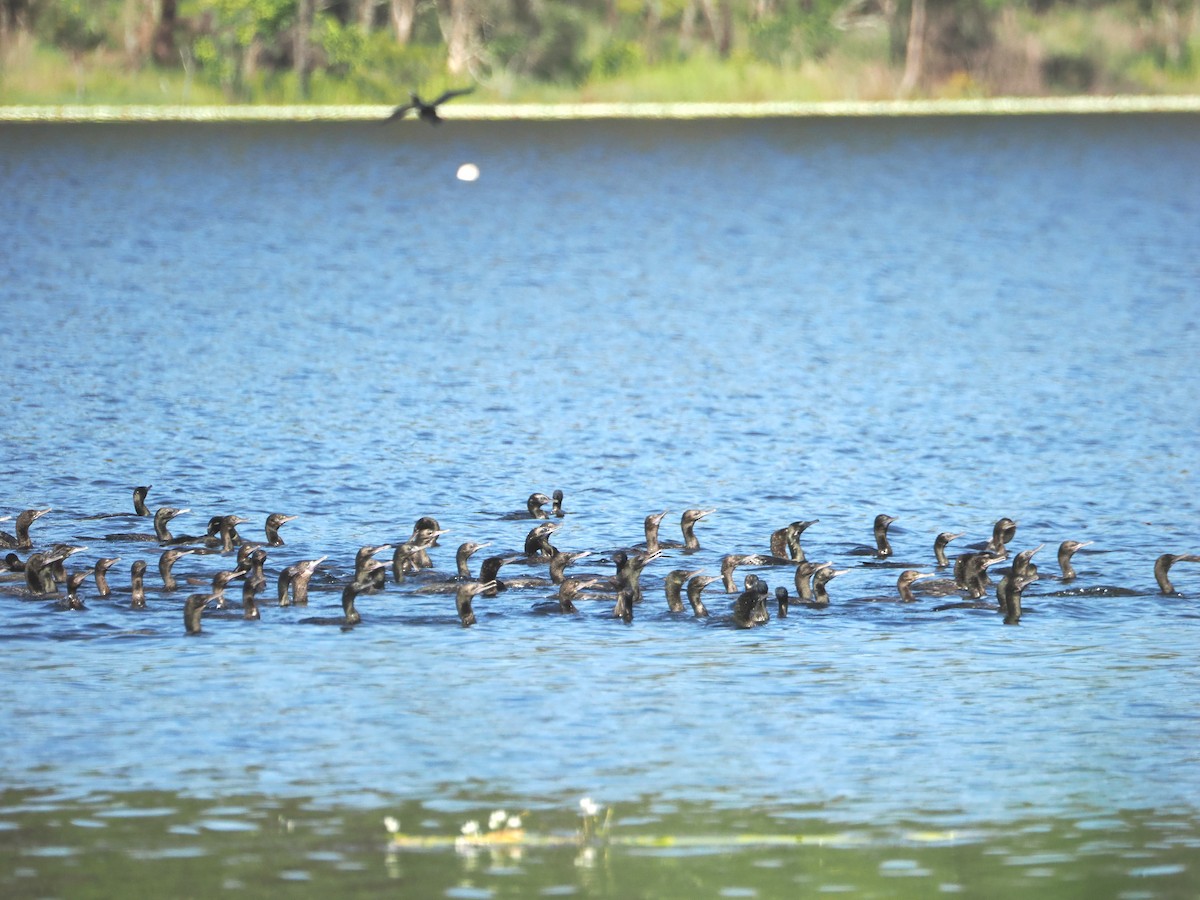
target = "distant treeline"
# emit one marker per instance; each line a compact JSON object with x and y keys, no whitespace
{"x":373,"y":47}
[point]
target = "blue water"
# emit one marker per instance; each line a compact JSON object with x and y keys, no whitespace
{"x":945,"y":320}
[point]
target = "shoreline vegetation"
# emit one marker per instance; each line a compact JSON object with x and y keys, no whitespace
{"x":349,"y":59}
{"x":1000,"y":106}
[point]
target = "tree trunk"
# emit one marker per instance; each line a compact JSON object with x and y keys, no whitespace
{"x":163,"y":46}
{"x":720,"y":22}
{"x":366,"y":15}
{"x":457,"y":34}
{"x":304,"y":20}
{"x":403,"y":12}
{"x":914,"y":52}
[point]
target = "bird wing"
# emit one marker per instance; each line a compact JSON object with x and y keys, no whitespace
{"x":450,"y":95}
{"x":400,"y":111}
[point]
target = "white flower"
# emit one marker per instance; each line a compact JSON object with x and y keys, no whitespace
{"x":513,"y":822}
{"x":496,"y":819}
{"x":391,"y":824}
{"x":470,"y":828}
{"x":589,"y":806}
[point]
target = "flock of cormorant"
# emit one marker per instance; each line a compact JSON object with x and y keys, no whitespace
{"x":44,"y":570}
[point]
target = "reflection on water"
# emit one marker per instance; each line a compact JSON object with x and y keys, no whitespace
{"x":170,"y":845}
{"x":945,"y":320}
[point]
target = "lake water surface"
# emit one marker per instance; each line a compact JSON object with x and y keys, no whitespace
{"x":947,"y":320}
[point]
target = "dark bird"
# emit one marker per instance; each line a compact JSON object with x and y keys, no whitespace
{"x":1003,"y":532}
{"x":1162,"y":569}
{"x":674,"y":587}
{"x":462,"y":599}
{"x":1065,"y":551}
{"x":426,"y":111}
{"x":939,"y":547}
{"x":193,"y":608}
{"x":275,"y":521}
{"x":100,"y":573}
{"x":883,"y":547}
{"x":137,"y":589}
{"x":695,"y":587}
{"x":350,"y":615}
{"x":297,"y":577}
{"x":20,"y":540}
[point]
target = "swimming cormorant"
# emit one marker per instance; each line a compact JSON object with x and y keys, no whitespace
{"x":674,"y":587}
{"x":974,"y":576}
{"x":750,"y":608}
{"x":939,"y":546}
{"x":193,"y":608}
{"x":137,"y":592}
{"x":250,"y":587}
{"x":366,"y":572}
{"x":534,"y":505}
{"x":1023,"y":562}
{"x":463,"y":596}
{"x":162,"y":518}
{"x":1065,"y":551}
{"x":39,"y":569}
{"x":296,"y":577}
{"x":557,"y":509}
{"x":165,"y":562}
{"x":537,"y":542}
{"x":905,"y":582}
{"x":883,"y":548}
{"x":1003,"y":532}
{"x":804,"y":574}
{"x":139,"y":500}
{"x":21,"y":541}
{"x":487,"y":573}
{"x":687,"y":525}
{"x":424,"y":526}
{"x":651,"y":527}
{"x":426,"y":111}
{"x":1162,"y":568}
{"x":570,"y":589}
{"x":221,"y":579}
{"x":350,"y":615}
{"x":1008,"y":593}
{"x":408,"y":555}
{"x":821,"y":578}
{"x":781,"y":601}
{"x":275,"y":521}
{"x":695,"y":587}
{"x":100,"y":574}
{"x":785,"y":542}
{"x":731,"y":561}
{"x":72,"y":601}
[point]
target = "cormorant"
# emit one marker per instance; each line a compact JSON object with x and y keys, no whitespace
{"x":695,"y":587}
{"x":939,"y":547}
{"x":463,"y":596}
{"x":275,"y":521}
{"x":674,"y":587}
{"x":193,"y":608}
{"x":1065,"y":551}
{"x":100,"y":574}
{"x":21,"y":541}
{"x":426,"y":111}
{"x":1162,"y":568}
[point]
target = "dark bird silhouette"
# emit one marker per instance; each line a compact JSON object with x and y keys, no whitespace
{"x":426,"y":111}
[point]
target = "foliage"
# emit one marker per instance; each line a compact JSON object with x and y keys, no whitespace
{"x":254,"y":50}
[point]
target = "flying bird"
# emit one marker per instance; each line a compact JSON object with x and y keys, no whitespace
{"x":426,"y":111}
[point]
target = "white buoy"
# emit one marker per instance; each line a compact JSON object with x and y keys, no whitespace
{"x":468,"y":172}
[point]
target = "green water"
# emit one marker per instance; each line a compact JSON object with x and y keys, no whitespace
{"x":165,"y":845}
